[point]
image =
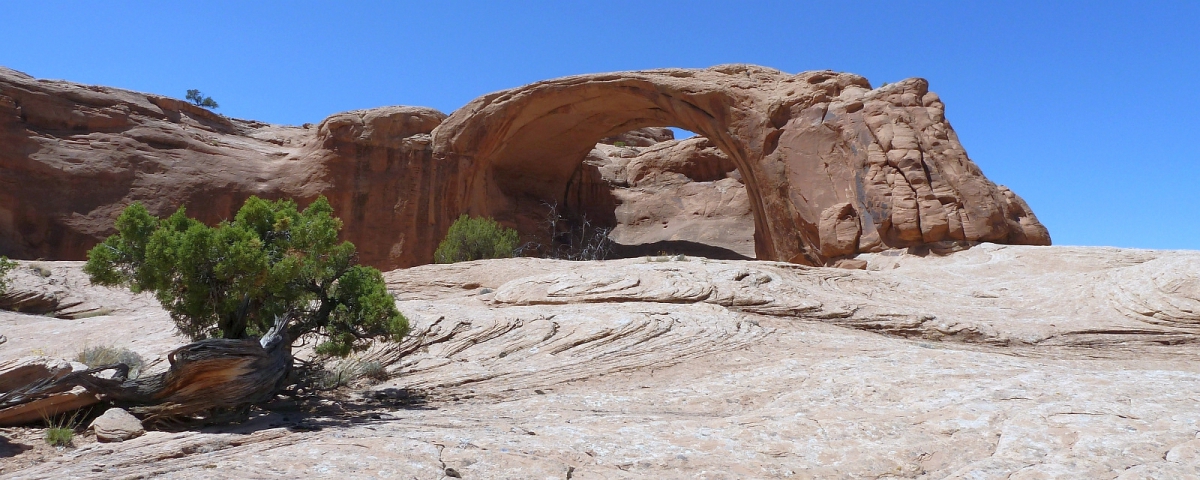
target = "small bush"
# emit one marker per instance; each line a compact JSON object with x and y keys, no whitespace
{"x":6,"y":266}
{"x":572,"y":238}
{"x":61,"y":432}
{"x":99,"y":356}
{"x":59,"y":437}
{"x":41,"y":270}
{"x":476,"y":239}
{"x":345,"y":372}
{"x":200,"y":100}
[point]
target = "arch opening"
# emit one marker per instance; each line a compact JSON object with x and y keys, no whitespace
{"x":831,"y":167}
{"x":546,"y":176}
{"x":651,"y":193}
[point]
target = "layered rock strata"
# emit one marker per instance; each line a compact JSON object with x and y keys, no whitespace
{"x":669,"y":196}
{"x":74,"y":156}
{"x":995,"y":362}
{"x":803,"y":143}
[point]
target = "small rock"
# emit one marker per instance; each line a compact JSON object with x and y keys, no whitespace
{"x":117,"y":425}
{"x":851,"y":264}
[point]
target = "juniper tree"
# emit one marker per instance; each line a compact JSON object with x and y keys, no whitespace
{"x":200,"y":100}
{"x":237,"y":279}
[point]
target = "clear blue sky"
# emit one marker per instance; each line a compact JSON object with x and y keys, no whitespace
{"x":1089,"y":110}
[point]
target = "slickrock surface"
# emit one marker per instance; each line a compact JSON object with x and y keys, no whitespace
{"x":993,"y":362}
{"x":830,"y":166}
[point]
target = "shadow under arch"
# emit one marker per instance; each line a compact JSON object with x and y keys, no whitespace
{"x":518,"y":148}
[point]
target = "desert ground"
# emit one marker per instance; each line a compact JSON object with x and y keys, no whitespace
{"x":996,"y":361}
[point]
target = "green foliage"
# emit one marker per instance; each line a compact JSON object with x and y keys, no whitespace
{"x":98,"y":356}
{"x":233,"y":280}
{"x":476,"y":239}
{"x":59,"y":436}
{"x":61,"y":432}
{"x":6,"y":266}
{"x":200,"y":100}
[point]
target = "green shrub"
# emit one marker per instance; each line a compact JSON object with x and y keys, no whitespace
{"x":200,"y":100}
{"x":476,"y":239}
{"x":59,"y":436}
{"x":6,"y":266}
{"x":272,"y":262}
{"x":61,"y":432}
{"x":100,"y":355}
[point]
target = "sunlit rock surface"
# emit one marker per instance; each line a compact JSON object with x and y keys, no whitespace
{"x":998,"y":361}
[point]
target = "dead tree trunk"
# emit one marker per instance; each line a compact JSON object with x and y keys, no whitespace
{"x":206,"y":379}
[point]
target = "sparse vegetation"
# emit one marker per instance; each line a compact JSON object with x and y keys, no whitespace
{"x":200,"y":100}
{"x":273,"y":264}
{"x":60,"y":432}
{"x":59,"y":436}
{"x":619,"y":144}
{"x":6,"y":266}
{"x":98,"y":356}
{"x":40,"y":269}
{"x":346,"y":372}
{"x":573,"y":239}
{"x":476,"y":239}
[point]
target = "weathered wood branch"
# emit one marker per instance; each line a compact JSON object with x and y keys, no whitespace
{"x":204,"y":377}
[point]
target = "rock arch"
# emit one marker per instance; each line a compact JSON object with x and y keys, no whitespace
{"x":832,"y":167}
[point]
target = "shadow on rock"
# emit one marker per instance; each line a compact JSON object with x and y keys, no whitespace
{"x":9,"y":449}
{"x":315,"y":413}
{"x":676,"y":247}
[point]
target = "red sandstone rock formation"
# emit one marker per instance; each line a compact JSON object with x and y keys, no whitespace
{"x":830,"y":166}
{"x":803,"y":143}
{"x":74,"y":156}
{"x":669,"y":196}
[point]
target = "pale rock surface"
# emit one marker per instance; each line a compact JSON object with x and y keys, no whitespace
{"x":993,"y":362}
{"x":116,"y":425}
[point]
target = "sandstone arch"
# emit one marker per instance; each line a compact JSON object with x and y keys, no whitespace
{"x":832,"y":167}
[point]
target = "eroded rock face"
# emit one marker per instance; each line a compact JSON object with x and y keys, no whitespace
{"x":672,"y":196}
{"x":74,"y":156}
{"x":803,"y":143}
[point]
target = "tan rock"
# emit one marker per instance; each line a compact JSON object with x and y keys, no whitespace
{"x":678,"y":197}
{"x":800,"y":142}
{"x":116,"y":425}
{"x":76,"y":155}
{"x":642,"y":137}
{"x":992,"y":362}
{"x":840,"y":229}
